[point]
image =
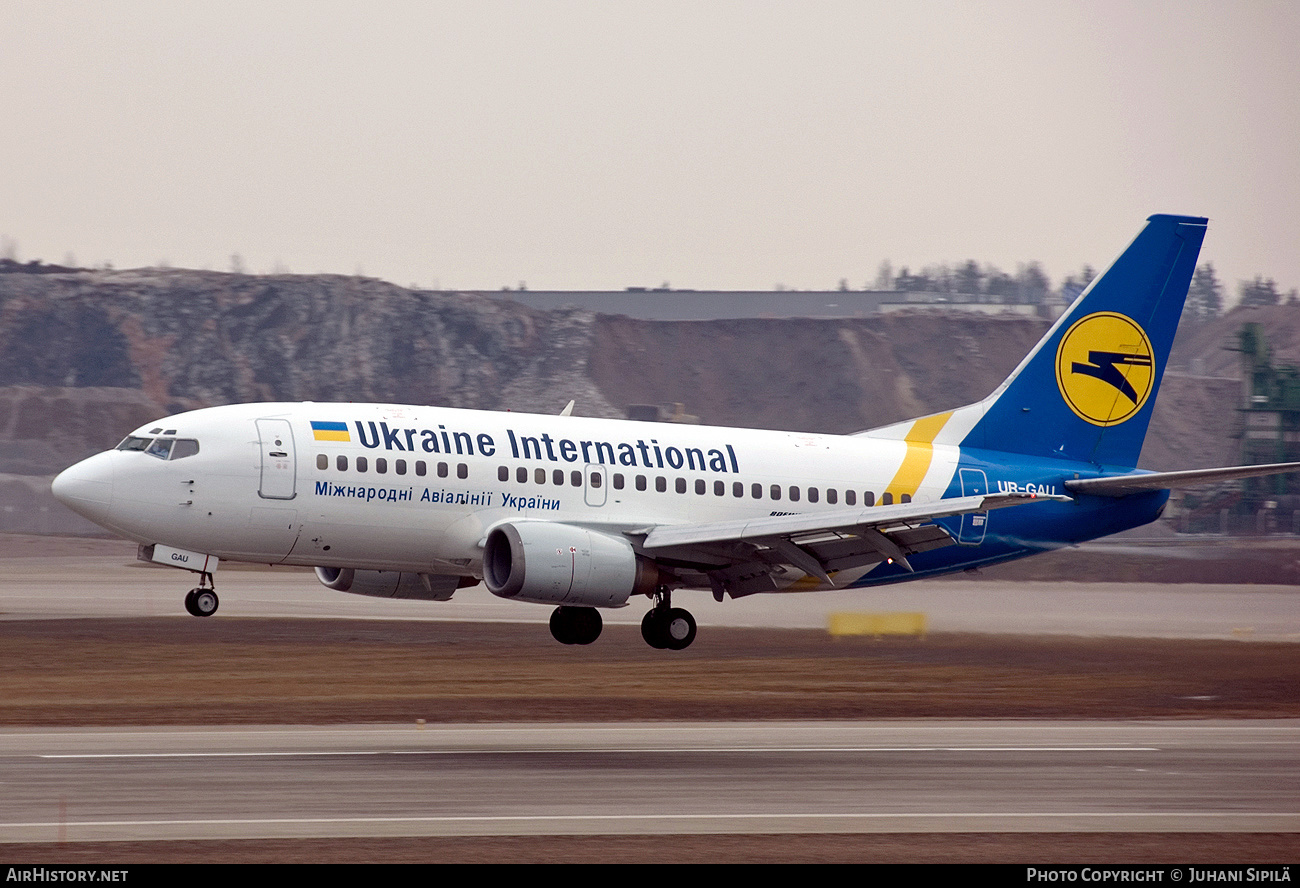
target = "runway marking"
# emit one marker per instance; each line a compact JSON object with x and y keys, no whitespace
{"x":654,"y":818}
{"x":558,"y":818}
{"x":677,"y":750}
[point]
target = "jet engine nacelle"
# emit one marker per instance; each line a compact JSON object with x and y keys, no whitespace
{"x":548,"y":563}
{"x":392,"y":583}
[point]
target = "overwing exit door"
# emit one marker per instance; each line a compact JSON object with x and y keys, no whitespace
{"x":596,"y":484}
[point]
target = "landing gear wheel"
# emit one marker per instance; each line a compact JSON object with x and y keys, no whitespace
{"x":678,"y":629}
{"x":576,"y":625}
{"x":651,"y":628}
{"x":668,"y":628}
{"x":201,"y":602}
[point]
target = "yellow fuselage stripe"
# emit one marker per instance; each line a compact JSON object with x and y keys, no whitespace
{"x":908,"y":478}
{"x":920,"y":451}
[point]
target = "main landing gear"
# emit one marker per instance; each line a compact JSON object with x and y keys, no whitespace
{"x":664,"y":627}
{"x":667,"y":627}
{"x":575,"y":625}
{"x":203,"y":601}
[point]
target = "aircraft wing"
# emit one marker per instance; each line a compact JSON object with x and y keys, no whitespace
{"x":1124,"y":485}
{"x":741,"y":556}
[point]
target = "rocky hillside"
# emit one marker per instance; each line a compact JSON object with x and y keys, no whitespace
{"x":183,"y":339}
{"x":86,"y":356}
{"x":188,"y":338}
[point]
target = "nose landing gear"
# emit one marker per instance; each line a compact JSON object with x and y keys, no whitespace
{"x":203,"y":601}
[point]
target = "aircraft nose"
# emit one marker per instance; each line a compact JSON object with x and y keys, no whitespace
{"x":87,"y":487}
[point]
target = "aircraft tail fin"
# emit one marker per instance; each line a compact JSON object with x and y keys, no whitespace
{"x":1086,"y":391}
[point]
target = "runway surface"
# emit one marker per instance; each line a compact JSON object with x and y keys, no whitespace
{"x":611,"y":779}
{"x":359,"y":785}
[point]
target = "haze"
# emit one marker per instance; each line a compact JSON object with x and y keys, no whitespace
{"x":592,"y":145}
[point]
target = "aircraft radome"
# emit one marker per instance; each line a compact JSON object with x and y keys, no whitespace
{"x":576,"y":513}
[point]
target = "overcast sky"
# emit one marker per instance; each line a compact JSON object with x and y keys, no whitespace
{"x":605,"y":144}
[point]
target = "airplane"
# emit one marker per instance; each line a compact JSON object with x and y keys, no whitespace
{"x":581,"y":514}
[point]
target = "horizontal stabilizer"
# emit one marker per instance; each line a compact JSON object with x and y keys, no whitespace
{"x":1124,"y":485}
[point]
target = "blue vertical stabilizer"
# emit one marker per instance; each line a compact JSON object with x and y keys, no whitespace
{"x":1087,"y":390}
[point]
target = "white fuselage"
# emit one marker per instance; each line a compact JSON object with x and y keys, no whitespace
{"x":409,"y":488}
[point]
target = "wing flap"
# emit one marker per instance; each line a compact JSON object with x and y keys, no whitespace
{"x":755,"y":529}
{"x":745,"y":557}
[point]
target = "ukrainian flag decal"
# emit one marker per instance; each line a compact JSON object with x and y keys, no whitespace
{"x":331,"y":431}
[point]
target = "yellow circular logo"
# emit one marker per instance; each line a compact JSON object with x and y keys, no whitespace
{"x":1105,"y":368}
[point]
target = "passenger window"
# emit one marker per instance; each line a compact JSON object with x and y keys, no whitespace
{"x":680,"y":485}
{"x":420,"y":468}
{"x":618,"y":480}
{"x":462,"y":471}
{"x":503,"y":474}
{"x":661,"y":484}
{"x":362,"y":464}
{"x":401,"y":466}
{"x":342,"y":463}
{"x":851,"y":498}
{"x":757,"y":491}
{"x":595,"y":479}
{"x":575,"y":478}
{"x":699,"y":486}
{"x":831,"y":496}
{"x":322,"y":461}
{"x":868,"y":498}
{"x":381,"y":466}
{"x":521,"y":475}
{"x":886,"y":499}
{"x":776,"y":491}
{"x":185,"y":447}
{"x":794,"y":494}
{"x":539,"y":476}
{"x":640,"y":482}
{"x":905,"y":498}
{"x":558,"y":477}
{"x":812,"y":494}
{"x":719,"y":488}
{"x":442,"y":470}
{"x":738,"y":489}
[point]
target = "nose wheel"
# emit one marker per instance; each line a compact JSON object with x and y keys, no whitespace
{"x":666,"y":627}
{"x":202,"y":602}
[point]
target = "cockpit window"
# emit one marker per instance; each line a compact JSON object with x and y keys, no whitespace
{"x":163,"y":448}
